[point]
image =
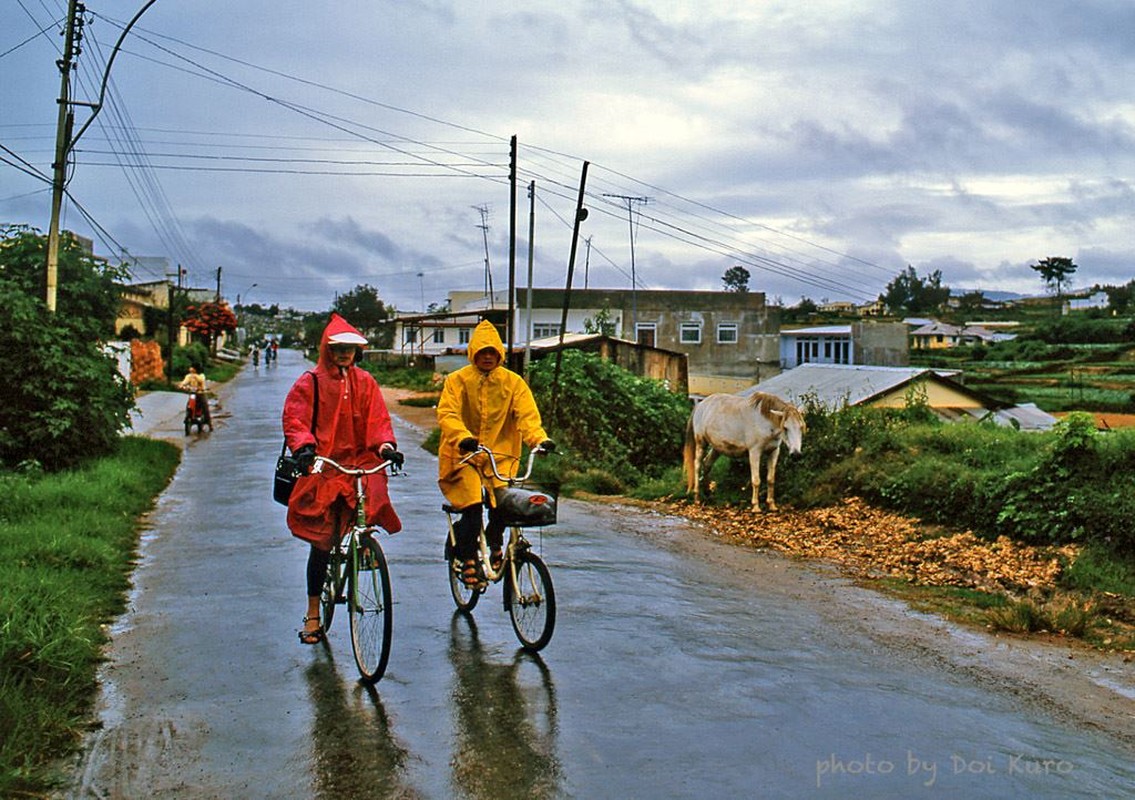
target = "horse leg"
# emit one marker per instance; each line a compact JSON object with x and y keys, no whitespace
{"x":755,"y":475}
{"x":773,"y":456}
{"x":711,"y":457}
{"x":695,"y":467}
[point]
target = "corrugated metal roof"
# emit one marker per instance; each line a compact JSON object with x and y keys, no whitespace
{"x":834,"y":384}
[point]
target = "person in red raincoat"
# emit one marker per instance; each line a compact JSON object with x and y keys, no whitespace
{"x":354,"y":429}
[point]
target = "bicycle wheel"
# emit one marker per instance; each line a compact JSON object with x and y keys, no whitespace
{"x":464,"y":596}
{"x":531,"y":602}
{"x":372,"y":612}
{"x":332,"y":586}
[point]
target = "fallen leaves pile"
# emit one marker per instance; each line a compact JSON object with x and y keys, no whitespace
{"x":874,"y":543}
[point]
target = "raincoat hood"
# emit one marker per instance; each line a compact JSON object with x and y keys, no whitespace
{"x":336,"y":326}
{"x":485,"y":335}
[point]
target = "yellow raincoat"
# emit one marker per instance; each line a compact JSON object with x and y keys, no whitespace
{"x":496,"y":408}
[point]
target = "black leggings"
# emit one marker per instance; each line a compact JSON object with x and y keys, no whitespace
{"x":317,"y":561}
{"x":468,"y":528}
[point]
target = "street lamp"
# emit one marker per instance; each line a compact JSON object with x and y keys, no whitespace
{"x":245,"y":294}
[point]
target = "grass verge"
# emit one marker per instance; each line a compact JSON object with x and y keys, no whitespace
{"x":67,"y":546}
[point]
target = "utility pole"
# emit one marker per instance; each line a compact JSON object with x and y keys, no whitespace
{"x":64,"y":141}
{"x":630,"y":201}
{"x":72,"y":41}
{"x":484,"y":226}
{"x":531,"y":254}
{"x":511,"y":327}
{"x":218,"y":301}
{"x":586,"y":261}
{"x":580,"y":216}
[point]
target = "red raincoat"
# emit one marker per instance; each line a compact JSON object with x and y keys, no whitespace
{"x":353,"y":424}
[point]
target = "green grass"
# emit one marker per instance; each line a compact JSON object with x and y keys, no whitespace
{"x":67,"y":544}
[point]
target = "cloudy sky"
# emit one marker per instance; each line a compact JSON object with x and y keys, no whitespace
{"x":308,"y":148}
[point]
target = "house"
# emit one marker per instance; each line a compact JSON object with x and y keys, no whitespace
{"x":883,"y":344}
{"x":730,"y":339}
{"x":1098,"y":300}
{"x":833,"y":386}
{"x":940,"y":335}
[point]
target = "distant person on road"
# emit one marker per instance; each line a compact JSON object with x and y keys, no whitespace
{"x":194,"y":382}
{"x":256,"y":355}
{"x":353,"y":428}
{"x":482,"y":403}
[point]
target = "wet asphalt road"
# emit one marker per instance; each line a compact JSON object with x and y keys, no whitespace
{"x":675,"y":671}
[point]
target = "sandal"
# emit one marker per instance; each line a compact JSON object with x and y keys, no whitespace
{"x":311,"y":637}
{"x":496,"y":560}
{"x":470,"y":575}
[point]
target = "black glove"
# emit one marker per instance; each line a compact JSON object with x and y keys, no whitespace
{"x":468,"y":445}
{"x":305,"y":458}
{"x":393,"y":456}
{"x":547,"y":446}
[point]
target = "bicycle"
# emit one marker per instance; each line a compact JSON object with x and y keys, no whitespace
{"x":529,"y":597}
{"x":358,"y":577}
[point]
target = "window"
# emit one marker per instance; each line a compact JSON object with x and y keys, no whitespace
{"x":690,"y":333}
{"x":463,"y":335}
{"x":411,"y":335}
{"x":543,"y":330}
{"x":727,"y":333}
{"x":644,"y":333}
{"x":439,"y":336}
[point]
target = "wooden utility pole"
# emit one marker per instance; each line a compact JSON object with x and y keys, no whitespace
{"x":580,"y":216}
{"x":62,"y":146}
{"x":511,"y":328}
{"x":634,"y":283}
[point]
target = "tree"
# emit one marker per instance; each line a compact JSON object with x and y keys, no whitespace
{"x":64,"y":399}
{"x":363,"y":308}
{"x":210,"y":320}
{"x":908,"y":293}
{"x":1056,"y":270}
{"x":88,"y":296}
{"x":602,"y":322}
{"x":736,"y":279}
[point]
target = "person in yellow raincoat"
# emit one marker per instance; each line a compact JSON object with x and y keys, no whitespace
{"x":483,"y":403}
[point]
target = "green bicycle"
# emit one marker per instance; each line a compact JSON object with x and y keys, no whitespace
{"x":358,"y":577}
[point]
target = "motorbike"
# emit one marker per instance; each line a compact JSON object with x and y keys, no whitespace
{"x":197,"y":413}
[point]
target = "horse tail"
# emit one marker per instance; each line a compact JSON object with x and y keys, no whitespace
{"x":688,"y":452}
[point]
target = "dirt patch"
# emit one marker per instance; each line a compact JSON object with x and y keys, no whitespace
{"x":423,"y":418}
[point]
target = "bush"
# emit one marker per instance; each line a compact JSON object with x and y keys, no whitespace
{"x":194,"y":354}
{"x":633,"y":427}
{"x":64,"y":400}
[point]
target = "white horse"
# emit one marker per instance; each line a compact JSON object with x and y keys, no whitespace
{"x":736,"y":426}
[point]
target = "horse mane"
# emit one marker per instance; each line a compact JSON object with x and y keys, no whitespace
{"x":768,"y":403}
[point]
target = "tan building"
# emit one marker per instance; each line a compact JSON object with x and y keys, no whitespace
{"x":730,"y":339}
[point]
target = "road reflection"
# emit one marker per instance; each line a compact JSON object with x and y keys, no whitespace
{"x":505,"y":721}
{"x":355,"y":752}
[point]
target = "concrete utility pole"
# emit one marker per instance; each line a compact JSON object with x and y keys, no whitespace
{"x":71,"y":47}
{"x":64,"y":141}
{"x":484,"y":226}
{"x":630,"y":201}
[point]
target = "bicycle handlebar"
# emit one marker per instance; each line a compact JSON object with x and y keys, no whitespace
{"x":535,"y":451}
{"x":357,"y":471}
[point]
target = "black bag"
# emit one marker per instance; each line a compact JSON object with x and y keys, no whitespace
{"x":525,"y":508}
{"x":287,"y":468}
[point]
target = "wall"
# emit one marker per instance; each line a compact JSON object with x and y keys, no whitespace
{"x":881,"y":344}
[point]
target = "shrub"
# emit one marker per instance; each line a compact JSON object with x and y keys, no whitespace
{"x":64,"y":399}
{"x":633,"y":426}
